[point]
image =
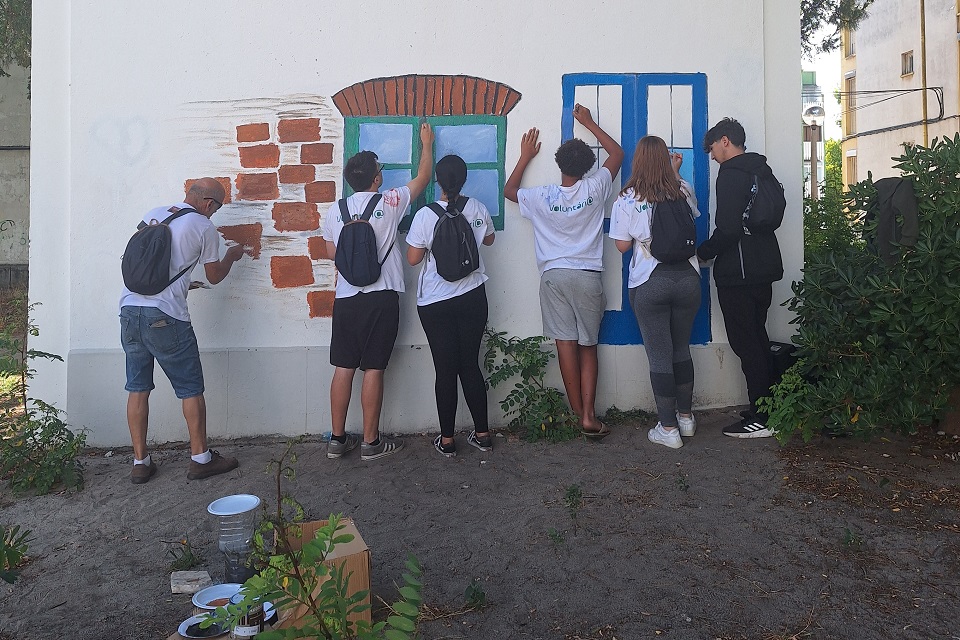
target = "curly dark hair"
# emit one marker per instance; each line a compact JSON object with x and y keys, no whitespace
{"x":361,"y":170}
{"x":575,"y":158}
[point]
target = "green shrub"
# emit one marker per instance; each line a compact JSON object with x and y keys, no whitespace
{"x":37,"y":449}
{"x":879,"y":346}
{"x":539,"y":412}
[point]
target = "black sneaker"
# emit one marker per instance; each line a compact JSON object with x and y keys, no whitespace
{"x":336,"y":449}
{"x":448,"y":450}
{"x":748,"y":429}
{"x":484,"y":443}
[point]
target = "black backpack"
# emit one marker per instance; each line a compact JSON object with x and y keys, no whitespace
{"x":356,"y":257}
{"x":673,"y":232}
{"x":454,"y":246}
{"x":764,"y":212}
{"x":145,"y":263}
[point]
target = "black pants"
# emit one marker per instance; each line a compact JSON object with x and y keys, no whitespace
{"x":454,"y":329}
{"x":745,"y":317}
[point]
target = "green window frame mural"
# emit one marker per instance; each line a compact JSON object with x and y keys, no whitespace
{"x":473,"y":137}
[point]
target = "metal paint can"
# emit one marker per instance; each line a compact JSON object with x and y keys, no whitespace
{"x":250,"y":623}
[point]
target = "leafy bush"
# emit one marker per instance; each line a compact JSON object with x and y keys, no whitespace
{"x":37,"y":449}
{"x":539,"y":412}
{"x":14,"y":543}
{"x":879,"y":346}
{"x":828,"y":225}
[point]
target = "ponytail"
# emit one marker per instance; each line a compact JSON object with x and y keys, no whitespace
{"x":452,"y":199}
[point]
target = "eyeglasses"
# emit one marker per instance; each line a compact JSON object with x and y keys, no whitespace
{"x":379,"y":168}
{"x":219,"y":204}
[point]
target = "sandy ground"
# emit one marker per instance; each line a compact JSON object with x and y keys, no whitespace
{"x":720,"y":539}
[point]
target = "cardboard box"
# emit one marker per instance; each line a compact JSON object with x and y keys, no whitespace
{"x":353,"y":556}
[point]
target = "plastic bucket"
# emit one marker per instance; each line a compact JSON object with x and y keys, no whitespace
{"x":237,"y":519}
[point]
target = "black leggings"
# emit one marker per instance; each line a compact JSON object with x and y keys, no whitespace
{"x":454,"y":328}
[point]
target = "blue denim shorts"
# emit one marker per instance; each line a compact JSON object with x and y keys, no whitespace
{"x":148,"y":334}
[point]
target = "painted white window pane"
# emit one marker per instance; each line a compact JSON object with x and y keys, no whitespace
{"x":612,"y":274}
{"x":670,"y":114}
{"x":484,"y":185}
{"x":393,"y":143}
{"x":609,"y":112}
{"x":472,"y":142}
{"x":587,"y":96}
{"x":393,"y":178}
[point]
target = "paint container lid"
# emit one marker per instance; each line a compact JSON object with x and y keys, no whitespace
{"x":233,"y":505}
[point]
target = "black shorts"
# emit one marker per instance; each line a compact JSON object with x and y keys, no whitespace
{"x":365,"y":329}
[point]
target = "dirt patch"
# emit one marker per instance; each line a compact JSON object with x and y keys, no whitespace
{"x":722,"y":539}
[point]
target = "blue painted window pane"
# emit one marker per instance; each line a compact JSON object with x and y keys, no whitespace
{"x":686,"y":169}
{"x":472,"y":142}
{"x":484,"y":185}
{"x":393,"y":178}
{"x":393,"y":143}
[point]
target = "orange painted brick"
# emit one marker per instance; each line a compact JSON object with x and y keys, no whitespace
{"x":320,"y":153}
{"x":299,"y":130}
{"x":260,"y":156}
{"x":321,"y":303}
{"x":297,"y":173}
{"x":317,"y":247}
{"x":253,"y":132}
{"x":248,"y":235}
{"x":291,"y":271}
{"x":295,"y":216}
{"x":257,"y":186}
{"x":322,"y":191}
{"x":223,"y":181}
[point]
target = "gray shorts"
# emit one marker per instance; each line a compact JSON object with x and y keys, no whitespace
{"x":572,"y":304}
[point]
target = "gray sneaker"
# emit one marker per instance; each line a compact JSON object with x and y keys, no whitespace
{"x":336,"y":449}
{"x":385,"y":448}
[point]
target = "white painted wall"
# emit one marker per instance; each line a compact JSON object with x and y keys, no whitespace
{"x":114,"y":135}
{"x":892,"y":28}
{"x":14,"y":167}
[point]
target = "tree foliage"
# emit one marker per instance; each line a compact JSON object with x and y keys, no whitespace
{"x":824,"y":20}
{"x":14,"y":34}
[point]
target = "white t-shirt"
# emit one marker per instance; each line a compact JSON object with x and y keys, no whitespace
{"x":386,"y":216}
{"x":630,"y":220}
{"x":568,"y":222}
{"x":195,"y":241}
{"x":431,"y":286}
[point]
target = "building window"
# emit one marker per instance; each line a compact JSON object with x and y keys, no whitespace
{"x":849,"y":43}
{"x":906,"y":63}
{"x":851,"y":170}
{"x":480,"y":140}
{"x":850,"y":106}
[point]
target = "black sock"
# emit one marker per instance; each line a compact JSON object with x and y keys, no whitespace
{"x":341,"y":439}
{"x":375,"y":442}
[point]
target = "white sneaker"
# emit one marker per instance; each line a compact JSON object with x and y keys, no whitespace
{"x":688,"y":426}
{"x":659,"y":435}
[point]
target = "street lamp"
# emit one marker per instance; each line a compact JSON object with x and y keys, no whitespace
{"x":813,"y":118}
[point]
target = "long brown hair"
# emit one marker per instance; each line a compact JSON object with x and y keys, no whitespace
{"x":653,"y":178}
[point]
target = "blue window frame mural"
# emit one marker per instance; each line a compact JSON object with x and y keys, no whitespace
{"x":630,"y":106}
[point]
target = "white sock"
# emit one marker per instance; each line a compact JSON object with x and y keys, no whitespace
{"x":145,"y":461}
{"x":202,"y":458}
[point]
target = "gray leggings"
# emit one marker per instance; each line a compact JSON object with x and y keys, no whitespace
{"x":665,"y":306}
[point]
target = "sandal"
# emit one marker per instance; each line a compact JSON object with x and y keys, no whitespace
{"x":597,"y":434}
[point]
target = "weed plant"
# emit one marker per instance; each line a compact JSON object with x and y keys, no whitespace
{"x":37,"y":449}
{"x":288,"y":576}
{"x":539,"y":412}
{"x":14,"y":543}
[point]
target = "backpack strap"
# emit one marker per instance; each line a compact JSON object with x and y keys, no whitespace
{"x":374,"y":201}
{"x":344,"y":214}
{"x":170,"y":218}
